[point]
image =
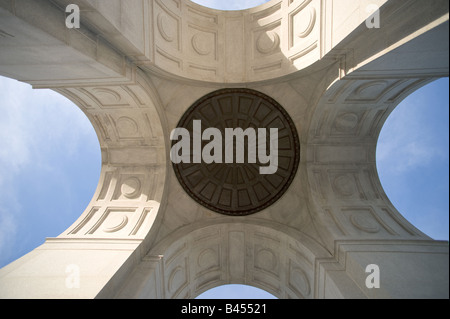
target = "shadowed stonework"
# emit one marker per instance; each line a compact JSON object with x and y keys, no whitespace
{"x":136,"y":69}
{"x":239,"y":188}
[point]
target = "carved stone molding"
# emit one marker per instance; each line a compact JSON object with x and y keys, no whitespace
{"x":228,"y":252}
{"x":239,"y":189}
{"x":135,"y":67}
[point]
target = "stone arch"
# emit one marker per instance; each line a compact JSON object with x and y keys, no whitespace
{"x":205,"y":255}
{"x":345,"y":189}
{"x":132,"y":132}
{"x":345,"y":193}
{"x":129,"y":78}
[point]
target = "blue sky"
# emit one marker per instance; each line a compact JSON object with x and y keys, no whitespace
{"x":413,"y":159}
{"x":230,"y":4}
{"x":50,"y":164}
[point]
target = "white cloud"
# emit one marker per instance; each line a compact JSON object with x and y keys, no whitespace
{"x":401,"y":155}
{"x":8,"y":232}
{"x":412,"y":155}
{"x":13,"y":133}
{"x":34,"y":121}
{"x":14,"y":155}
{"x":407,"y":142}
{"x":34,"y":127}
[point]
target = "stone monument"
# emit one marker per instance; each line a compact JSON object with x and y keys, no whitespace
{"x":325,"y":74}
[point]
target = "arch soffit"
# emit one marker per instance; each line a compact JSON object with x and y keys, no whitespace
{"x":207,"y":254}
{"x":132,"y":130}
